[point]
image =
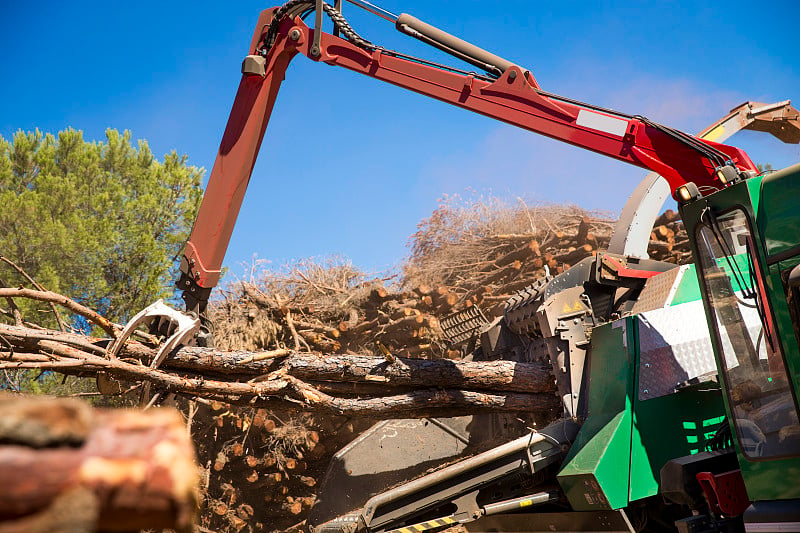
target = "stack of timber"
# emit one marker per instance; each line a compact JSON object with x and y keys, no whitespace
{"x":668,"y":240}
{"x":495,"y":267}
{"x":262,"y":461}
{"x":370,"y":316}
{"x":483,"y":271}
{"x":263,"y":466}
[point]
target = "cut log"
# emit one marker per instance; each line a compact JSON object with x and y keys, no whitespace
{"x":115,"y":470}
{"x":423,"y":289}
{"x":510,"y":270}
{"x":319,"y":328}
{"x":663,"y":233}
{"x":667,"y":217}
{"x":573,"y":256}
{"x":475,"y":375}
{"x":583,"y":230}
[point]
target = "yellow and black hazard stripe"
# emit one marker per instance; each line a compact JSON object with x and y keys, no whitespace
{"x":424,"y":526}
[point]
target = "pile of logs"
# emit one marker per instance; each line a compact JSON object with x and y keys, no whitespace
{"x":668,"y":240}
{"x":263,"y":467}
{"x":406,"y":321}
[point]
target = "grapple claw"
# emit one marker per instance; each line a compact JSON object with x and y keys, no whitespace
{"x":180,"y":329}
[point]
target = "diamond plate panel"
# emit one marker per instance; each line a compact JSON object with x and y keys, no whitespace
{"x":674,"y":347}
{"x":658,"y":289}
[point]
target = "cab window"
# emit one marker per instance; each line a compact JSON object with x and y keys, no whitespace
{"x":758,"y":388}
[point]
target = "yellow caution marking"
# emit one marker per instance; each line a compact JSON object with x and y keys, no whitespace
{"x":571,"y":308}
{"x":714,"y":134}
{"x":424,"y":526}
{"x":526,"y":503}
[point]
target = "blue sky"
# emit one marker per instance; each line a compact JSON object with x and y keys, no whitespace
{"x":350,"y":165}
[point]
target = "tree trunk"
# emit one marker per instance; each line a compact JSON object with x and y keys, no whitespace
{"x":477,"y":375}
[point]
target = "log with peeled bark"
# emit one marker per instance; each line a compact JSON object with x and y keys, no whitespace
{"x":67,"y":467}
{"x":411,"y":387}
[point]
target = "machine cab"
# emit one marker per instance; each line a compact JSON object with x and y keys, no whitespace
{"x":746,"y":244}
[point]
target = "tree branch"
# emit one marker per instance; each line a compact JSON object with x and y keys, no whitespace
{"x":75,"y":307}
{"x":60,"y":321}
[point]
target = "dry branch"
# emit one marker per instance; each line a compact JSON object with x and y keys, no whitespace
{"x":59,"y":320}
{"x":75,"y":307}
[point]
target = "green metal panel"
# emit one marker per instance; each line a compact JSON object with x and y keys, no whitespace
{"x":777,"y":221}
{"x":778,"y":209}
{"x":783,"y":319}
{"x":777,"y":214}
{"x":669,"y":427}
{"x":595,"y":473}
{"x":688,"y":290}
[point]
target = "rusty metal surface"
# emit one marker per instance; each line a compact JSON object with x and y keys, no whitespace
{"x":780,"y":119}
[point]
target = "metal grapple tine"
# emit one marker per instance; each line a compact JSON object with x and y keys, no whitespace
{"x":184,"y":328}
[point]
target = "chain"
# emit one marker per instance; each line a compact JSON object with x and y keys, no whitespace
{"x":301,"y":7}
{"x":345,"y":27}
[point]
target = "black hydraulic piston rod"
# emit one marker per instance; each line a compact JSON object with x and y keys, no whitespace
{"x":437,"y":38}
{"x":452,"y":45}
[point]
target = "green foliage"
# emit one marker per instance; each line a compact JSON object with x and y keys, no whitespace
{"x":100,"y":222}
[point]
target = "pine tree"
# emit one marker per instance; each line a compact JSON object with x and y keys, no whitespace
{"x":100,"y":222}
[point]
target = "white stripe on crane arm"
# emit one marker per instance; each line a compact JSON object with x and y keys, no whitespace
{"x":601,"y":122}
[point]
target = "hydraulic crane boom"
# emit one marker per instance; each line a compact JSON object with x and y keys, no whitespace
{"x":507,"y":93}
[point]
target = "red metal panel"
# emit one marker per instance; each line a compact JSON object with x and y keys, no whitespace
{"x":726,"y":492}
{"x":233,"y":166}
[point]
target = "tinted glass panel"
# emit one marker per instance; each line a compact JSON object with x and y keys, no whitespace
{"x":763,"y":407}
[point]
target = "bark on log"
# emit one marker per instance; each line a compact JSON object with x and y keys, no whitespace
{"x":583,"y":230}
{"x":501,"y":273}
{"x":428,"y":403}
{"x":474,"y":375}
{"x":48,"y":296}
{"x":280,"y":385}
{"x":64,"y":466}
{"x":477,"y":375}
{"x":667,"y":217}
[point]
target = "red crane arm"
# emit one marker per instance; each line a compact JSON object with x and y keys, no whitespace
{"x":514,"y":98}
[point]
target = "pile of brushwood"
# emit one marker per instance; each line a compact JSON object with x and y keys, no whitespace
{"x":308,"y":356}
